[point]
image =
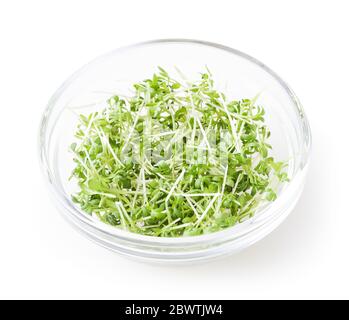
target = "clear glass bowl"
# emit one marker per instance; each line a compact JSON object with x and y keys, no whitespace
{"x":234,"y":71}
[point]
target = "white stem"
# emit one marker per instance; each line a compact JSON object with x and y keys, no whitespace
{"x":206,"y":210}
{"x":232,"y":125}
{"x":175,"y":185}
{"x":104,"y":138}
{"x":193,"y":208}
{"x":196,"y":194}
{"x":132,"y":129}
{"x":122,"y":218}
{"x":237,"y":183}
{"x":204,"y":136}
{"x":145,"y":198}
{"x":219,"y":204}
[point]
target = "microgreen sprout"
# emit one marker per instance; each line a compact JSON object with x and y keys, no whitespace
{"x":178,"y":158}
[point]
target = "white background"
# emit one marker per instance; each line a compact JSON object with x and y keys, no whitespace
{"x":43,"y":42}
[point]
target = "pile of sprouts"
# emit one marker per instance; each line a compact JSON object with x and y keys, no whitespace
{"x":175,"y":159}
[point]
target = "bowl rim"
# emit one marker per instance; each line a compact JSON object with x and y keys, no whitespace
{"x":237,"y":230}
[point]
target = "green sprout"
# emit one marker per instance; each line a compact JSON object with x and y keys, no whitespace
{"x":176,"y":159}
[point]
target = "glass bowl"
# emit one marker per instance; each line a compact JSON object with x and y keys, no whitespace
{"x":243,"y":76}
